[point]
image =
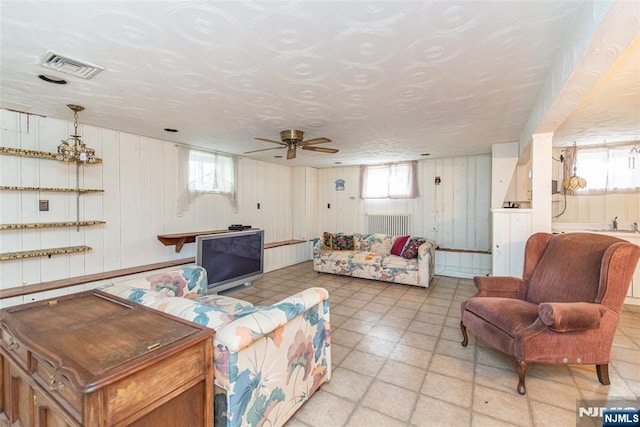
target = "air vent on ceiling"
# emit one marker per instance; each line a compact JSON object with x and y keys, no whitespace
{"x":68,"y":65}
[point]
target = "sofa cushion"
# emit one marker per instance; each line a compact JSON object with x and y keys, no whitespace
{"x":342,"y":242}
{"x":327,"y":241}
{"x":399,"y":245}
{"x":366,"y":258}
{"x":411,"y":251}
{"x":398,"y":262}
{"x":197,"y":312}
{"x":188,"y":282}
{"x":510,"y":315}
{"x":227,"y":304}
{"x":357,"y":258}
{"x":137,"y":295}
{"x":378,"y":243}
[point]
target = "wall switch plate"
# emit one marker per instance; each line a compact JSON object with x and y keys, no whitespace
{"x":43,"y":205}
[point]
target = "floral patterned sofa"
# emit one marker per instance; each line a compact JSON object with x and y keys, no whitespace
{"x":268,"y":360}
{"x":368,"y":255}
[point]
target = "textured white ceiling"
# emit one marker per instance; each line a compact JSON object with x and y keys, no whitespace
{"x":385,"y":80}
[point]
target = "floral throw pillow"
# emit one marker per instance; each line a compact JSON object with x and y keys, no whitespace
{"x":343,"y":242}
{"x":411,"y":250}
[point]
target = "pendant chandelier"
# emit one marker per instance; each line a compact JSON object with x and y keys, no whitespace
{"x":574,"y":182}
{"x":73,"y":149}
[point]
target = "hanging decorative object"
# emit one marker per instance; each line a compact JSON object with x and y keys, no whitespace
{"x":575,"y":182}
{"x":77,"y":151}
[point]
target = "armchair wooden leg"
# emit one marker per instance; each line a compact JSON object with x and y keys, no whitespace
{"x":465,"y":338}
{"x":523,"y":367}
{"x":603,"y":374}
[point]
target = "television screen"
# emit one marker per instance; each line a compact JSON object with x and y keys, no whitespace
{"x":231,"y":259}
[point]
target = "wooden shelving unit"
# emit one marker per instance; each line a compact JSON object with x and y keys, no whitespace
{"x":32,"y":153}
{"x":9,"y":256}
{"x":50,"y":225}
{"x":52,"y":189}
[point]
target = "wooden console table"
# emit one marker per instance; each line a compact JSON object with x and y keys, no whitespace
{"x":93,"y":359}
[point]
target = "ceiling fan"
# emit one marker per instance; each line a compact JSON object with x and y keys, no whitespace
{"x":292,"y":139}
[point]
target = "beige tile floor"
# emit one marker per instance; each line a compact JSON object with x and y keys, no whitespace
{"x":397,"y":360}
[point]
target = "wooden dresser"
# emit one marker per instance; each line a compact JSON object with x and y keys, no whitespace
{"x":94,"y":359}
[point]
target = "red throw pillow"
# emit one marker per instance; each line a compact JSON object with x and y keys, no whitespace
{"x":399,"y":244}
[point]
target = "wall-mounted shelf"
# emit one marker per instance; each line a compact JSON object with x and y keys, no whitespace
{"x":8,"y":256}
{"x":179,"y":239}
{"x":54,"y":189}
{"x":50,"y":225}
{"x":32,"y":153}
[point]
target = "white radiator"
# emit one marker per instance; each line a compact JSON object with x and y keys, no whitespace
{"x":388,"y":224}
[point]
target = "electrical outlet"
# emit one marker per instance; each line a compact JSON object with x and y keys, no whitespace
{"x":43,"y":205}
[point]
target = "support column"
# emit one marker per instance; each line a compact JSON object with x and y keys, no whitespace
{"x":541,"y":182}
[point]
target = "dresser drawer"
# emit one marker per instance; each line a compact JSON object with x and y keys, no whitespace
{"x":14,"y":346}
{"x":58,"y":385}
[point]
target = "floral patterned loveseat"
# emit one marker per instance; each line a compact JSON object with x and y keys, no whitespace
{"x":368,"y":255}
{"x":268,"y":360}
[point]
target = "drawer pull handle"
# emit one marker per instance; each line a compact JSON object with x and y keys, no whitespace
{"x":53,"y":386}
{"x":153,"y":346}
{"x":13,"y":345}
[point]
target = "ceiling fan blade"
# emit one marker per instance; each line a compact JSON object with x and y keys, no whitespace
{"x":291,"y":153}
{"x":321,"y":149}
{"x":271,"y":140}
{"x":315,"y":141}
{"x":264,"y":149}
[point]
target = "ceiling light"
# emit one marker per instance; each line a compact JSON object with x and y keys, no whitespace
{"x":425,"y":154}
{"x":51,"y":79}
{"x":171,"y":130}
{"x":78,"y":152}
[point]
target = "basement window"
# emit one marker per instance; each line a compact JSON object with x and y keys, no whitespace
{"x":609,"y":169}
{"x":389,"y":181}
{"x":211,"y":172}
{"x":203,"y":172}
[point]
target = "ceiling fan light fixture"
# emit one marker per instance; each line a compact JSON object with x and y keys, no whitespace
{"x":292,"y":139}
{"x":291,"y":135}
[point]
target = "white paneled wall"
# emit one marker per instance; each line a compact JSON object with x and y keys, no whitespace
{"x":454,"y":213}
{"x":139,"y":176}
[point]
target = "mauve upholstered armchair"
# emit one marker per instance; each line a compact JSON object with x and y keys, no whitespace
{"x":566,"y":307}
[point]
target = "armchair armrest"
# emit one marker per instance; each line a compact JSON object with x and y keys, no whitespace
{"x":244,"y":331}
{"x":500,"y":286}
{"x":571,"y":316}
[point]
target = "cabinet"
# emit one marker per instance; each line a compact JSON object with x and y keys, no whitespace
{"x":92,"y":359}
{"x":511,"y":229}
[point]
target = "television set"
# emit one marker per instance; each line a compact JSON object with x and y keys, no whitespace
{"x":231,"y":259}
